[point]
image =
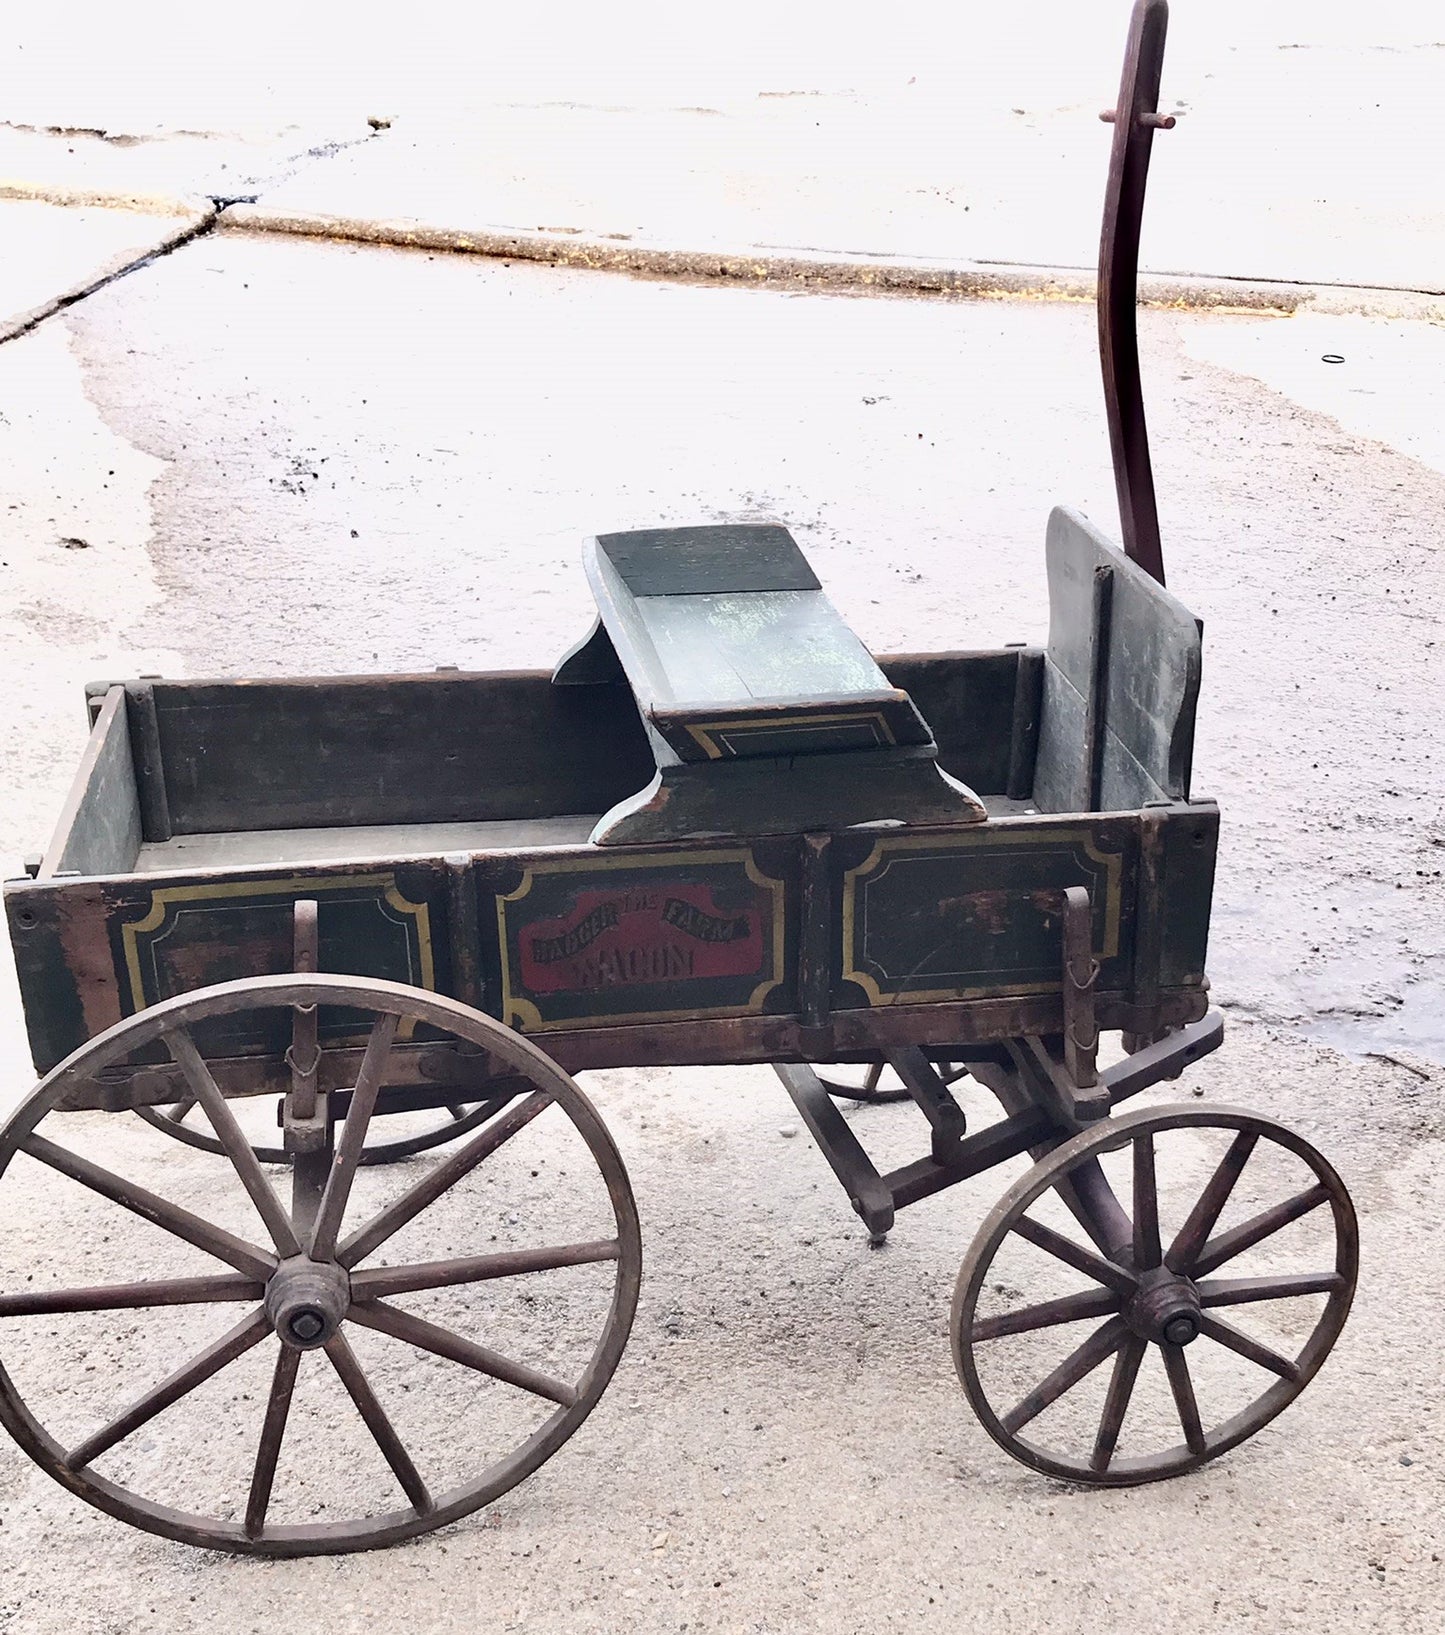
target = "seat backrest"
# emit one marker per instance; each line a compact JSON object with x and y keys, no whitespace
{"x":1121,"y":679}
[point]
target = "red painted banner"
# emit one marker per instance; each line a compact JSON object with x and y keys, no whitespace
{"x":670,"y":933}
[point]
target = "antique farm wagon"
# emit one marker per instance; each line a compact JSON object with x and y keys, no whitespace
{"x":400,"y":911}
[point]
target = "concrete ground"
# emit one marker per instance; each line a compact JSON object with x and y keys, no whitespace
{"x":266,"y":456}
{"x":954,"y":144}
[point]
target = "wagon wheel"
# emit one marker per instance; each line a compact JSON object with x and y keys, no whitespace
{"x":308,"y":1278}
{"x":185,"y":1122}
{"x":869,"y":1085}
{"x":1145,"y":1290}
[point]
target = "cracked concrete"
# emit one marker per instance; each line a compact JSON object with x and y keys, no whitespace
{"x":961,"y":151}
{"x":67,"y":252}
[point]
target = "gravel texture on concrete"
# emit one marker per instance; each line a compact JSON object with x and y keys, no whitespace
{"x":268,"y":457}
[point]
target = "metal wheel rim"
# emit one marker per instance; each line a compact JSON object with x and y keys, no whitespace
{"x":390,"y":1527}
{"x":1110,"y":1136}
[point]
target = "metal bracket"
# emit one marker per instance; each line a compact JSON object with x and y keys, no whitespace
{"x":867,"y":1191}
{"x":304,"y":1115}
{"x":1081,"y":973}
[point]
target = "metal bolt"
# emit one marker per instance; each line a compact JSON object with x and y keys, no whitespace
{"x":1147,"y":120}
{"x":1181,"y":1330}
{"x":306,"y":1325}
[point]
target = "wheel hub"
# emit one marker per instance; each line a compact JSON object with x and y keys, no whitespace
{"x":1166,"y":1309}
{"x":306,"y":1301}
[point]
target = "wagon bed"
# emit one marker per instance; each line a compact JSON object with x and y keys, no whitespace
{"x":205,"y":810}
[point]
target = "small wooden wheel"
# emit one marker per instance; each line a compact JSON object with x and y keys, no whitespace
{"x":877,"y":1084}
{"x":184,"y":1121}
{"x":297,"y":1455}
{"x":1179,"y":1366}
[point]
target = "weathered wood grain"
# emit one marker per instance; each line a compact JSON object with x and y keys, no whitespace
{"x":1119,"y":692}
{"x":99,"y":831}
{"x":446,"y":748}
{"x":742,"y":656}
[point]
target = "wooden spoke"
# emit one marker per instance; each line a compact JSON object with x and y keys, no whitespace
{"x":223,"y":1121}
{"x":1226,"y":1335}
{"x":403,"y":1325}
{"x":181,"y":1223}
{"x":426,"y":1191}
{"x":1239,"y":1291}
{"x":1116,"y":1403}
{"x":343,"y":1360}
{"x":1072,"y":1254}
{"x":457,"y":1110}
{"x":1200,"y":1224}
{"x":1147,"y":1253}
{"x":1176,"y":1365}
{"x":178,"y":1110}
{"x":371,"y":1283}
{"x":1101,"y":1344}
{"x":1094,"y":1205}
{"x":1258,"y":1227}
{"x":353,"y":1137}
{"x":176,"y":1291}
{"x":1072,"y":1308}
{"x":273,"y":1429}
{"x":248,"y":1332}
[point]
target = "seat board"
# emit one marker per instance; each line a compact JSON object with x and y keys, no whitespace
{"x":756,"y":664}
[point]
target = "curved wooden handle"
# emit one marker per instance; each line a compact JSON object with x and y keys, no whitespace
{"x":1135,"y":119}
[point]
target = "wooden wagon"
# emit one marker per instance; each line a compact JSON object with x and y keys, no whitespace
{"x":404,"y":910}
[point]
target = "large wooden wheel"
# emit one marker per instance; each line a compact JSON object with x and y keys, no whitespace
{"x":337,"y":1271}
{"x":1197,"y":1361}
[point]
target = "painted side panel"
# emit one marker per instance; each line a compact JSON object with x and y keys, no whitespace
{"x":948,"y":916}
{"x":596,"y":939}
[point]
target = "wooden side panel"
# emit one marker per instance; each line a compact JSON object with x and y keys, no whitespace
{"x":1119,"y":697}
{"x":90,"y":952}
{"x":406,"y":749}
{"x":99,"y":831}
{"x":925,"y":919}
{"x":170,"y":935}
{"x":591,"y":939}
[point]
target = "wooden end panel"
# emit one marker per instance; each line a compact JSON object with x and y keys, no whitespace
{"x":99,"y":831}
{"x":1122,"y":679}
{"x":58,"y":931}
{"x":1191,"y":844}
